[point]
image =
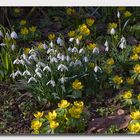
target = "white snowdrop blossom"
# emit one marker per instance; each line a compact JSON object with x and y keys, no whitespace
{"x":14,"y":35}
{"x":40,"y":64}
{"x":96,"y":50}
{"x":2,"y":44}
{"x":45,"y":46}
{"x":106,"y":46}
{"x":32,"y":79}
{"x":112,"y":32}
{"x":53,"y":59}
{"x":16,"y":61}
{"x":85,"y":59}
{"x":51,"y":44}
{"x":74,"y":50}
{"x":47,"y":68}
{"x":62,"y":67}
{"x":96,"y":68}
{"x":51,"y":82}
{"x":63,"y":79}
{"x":118,"y":14}
{"x":39,"y":74}
{"x":77,"y":41}
{"x":69,"y":49}
{"x":12,"y":75}
{"x":122,"y":43}
{"x":60,"y":41}
{"x":1,"y":34}
{"x":81,"y":51}
{"x":18,"y":73}
{"x":26,"y":73}
{"x":68,"y":58}
{"x":13,"y":47}
{"x":71,"y":39}
{"x":78,"y":62}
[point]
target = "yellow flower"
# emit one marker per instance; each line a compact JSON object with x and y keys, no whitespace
{"x":136,"y":49}
{"x":127,"y":94}
{"x":54,"y":124}
{"x":23,"y":22}
{"x":40,"y":46}
{"x":117,"y":80}
{"x":35,"y":132}
{"x":79,"y":37}
{"x":77,"y":85}
{"x":130,"y":81}
{"x":127,"y":14}
{"x":91,"y":64}
{"x":36,"y":124}
{"x":71,"y":33}
{"x":26,"y":50}
{"x":137,"y":68}
{"x":108,"y":69}
{"x":51,"y":36}
{"x":79,"y":104}
{"x":112,"y":25}
{"x":24,"y":31}
{"x":38,"y":115}
{"x":51,"y":115}
{"x":135,"y":115}
{"x":75,"y":112}
{"x":70,"y":11}
{"x":84,"y":29}
{"x":17,"y":10}
{"x":134,"y":57}
{"x":134,"y":127}
{"x":63,"y":104}
{"x":121,"y":8}
{"x":138,"y":97}
{"x":91,"y":46}
{"x":90,"y":21}
{"x":32,"y":29}
{"x":110,"y":61}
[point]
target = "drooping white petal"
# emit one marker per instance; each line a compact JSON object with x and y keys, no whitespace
{"x":32,"y":79}
{"x":47,"y":68}
{"x":14,"y":35}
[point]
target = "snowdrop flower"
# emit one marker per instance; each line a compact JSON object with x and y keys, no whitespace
{"x":85,"y":59}
{"x":106,"y":46}
{"x":18,"y":73}
{"x":14,"y":35}
{"x":52,"y":82}
{"x":45,"y":46}
{"x":47,"y":68}
{"x":96,"y":68}
{"x":50,"y":51}
{"x":60,"y":41}
{"x":32,"y":57}
{"x":72,"y":64}
{"x":12,"y":75}
{"x":40,"y":64}
{"x":38,"y":70}
{"x":32,"y":79}
{"x":22,"y":62}
{"x":78,"y":62}
{"x":81,"y":51}
{"x":77,"y":41}
{"x":24,"y":56}
{"x":16,"y":61}
{"x":13,"y":47}
{"x":71,"y":39}
{"x":122,"y":43}
{"x":2,"y":44}
{"x":67,"y":58}
{"x":51,"y":44}
{"x":69,"y":49}
{"x":96,"y":50}
{"x":39,"y":74}
{"x":63,"y":80}
{"x":1,"y":34}
{"x":53,"y":59}
{"x":112,"y":32}
{"x":26,"y":73}
{"x":62,"y":67}
{"x":74,"y":50}
{"x":59,"y":55}
{"x":62,"y":57}
{"x":31,"y":51}
{"x":118,"y":14}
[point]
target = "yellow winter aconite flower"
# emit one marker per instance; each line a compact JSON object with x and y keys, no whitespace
{"x":134,"y":127}
{"x":91,"y":46}
{"x":135,"y":115}
{"x":26,"y":50}
{"x":36,"y":124}
{"x":40,"y":46}
{"x":137,"y":68}
{"x":90,"y":21}
{"x":24,"y":31}
{"x":84,"y":29}
{"x":110,"y":61}
{"x":79,"y":37}
{"x":17,"y":10}
{"x":108,"y":69}
{"x":70,"y":11}
{"x":79,"y":104}
{"x":38,"y":114}
{"x":77,"y":85}
{"x":134,"y":57}
{"x":91,"y":64}
{"x":35,"y":132}
{"x":71,"y":33}
{"x":63,"y":104}
{"x":117,"y":80}
{"x":127,"y":94}
{"x":130,"y":81}
{"x":138,"y":97}
{"x":112,"y":25}
{"x":127,"y":14}
{"x":75,"y":111}
{"x":51,"y":115}
{"x":51,"y":36}
{"x":23,"y":22}
{"x":54,"y":124}
{"x":136,"y":49}
{"x":32,"y":29}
